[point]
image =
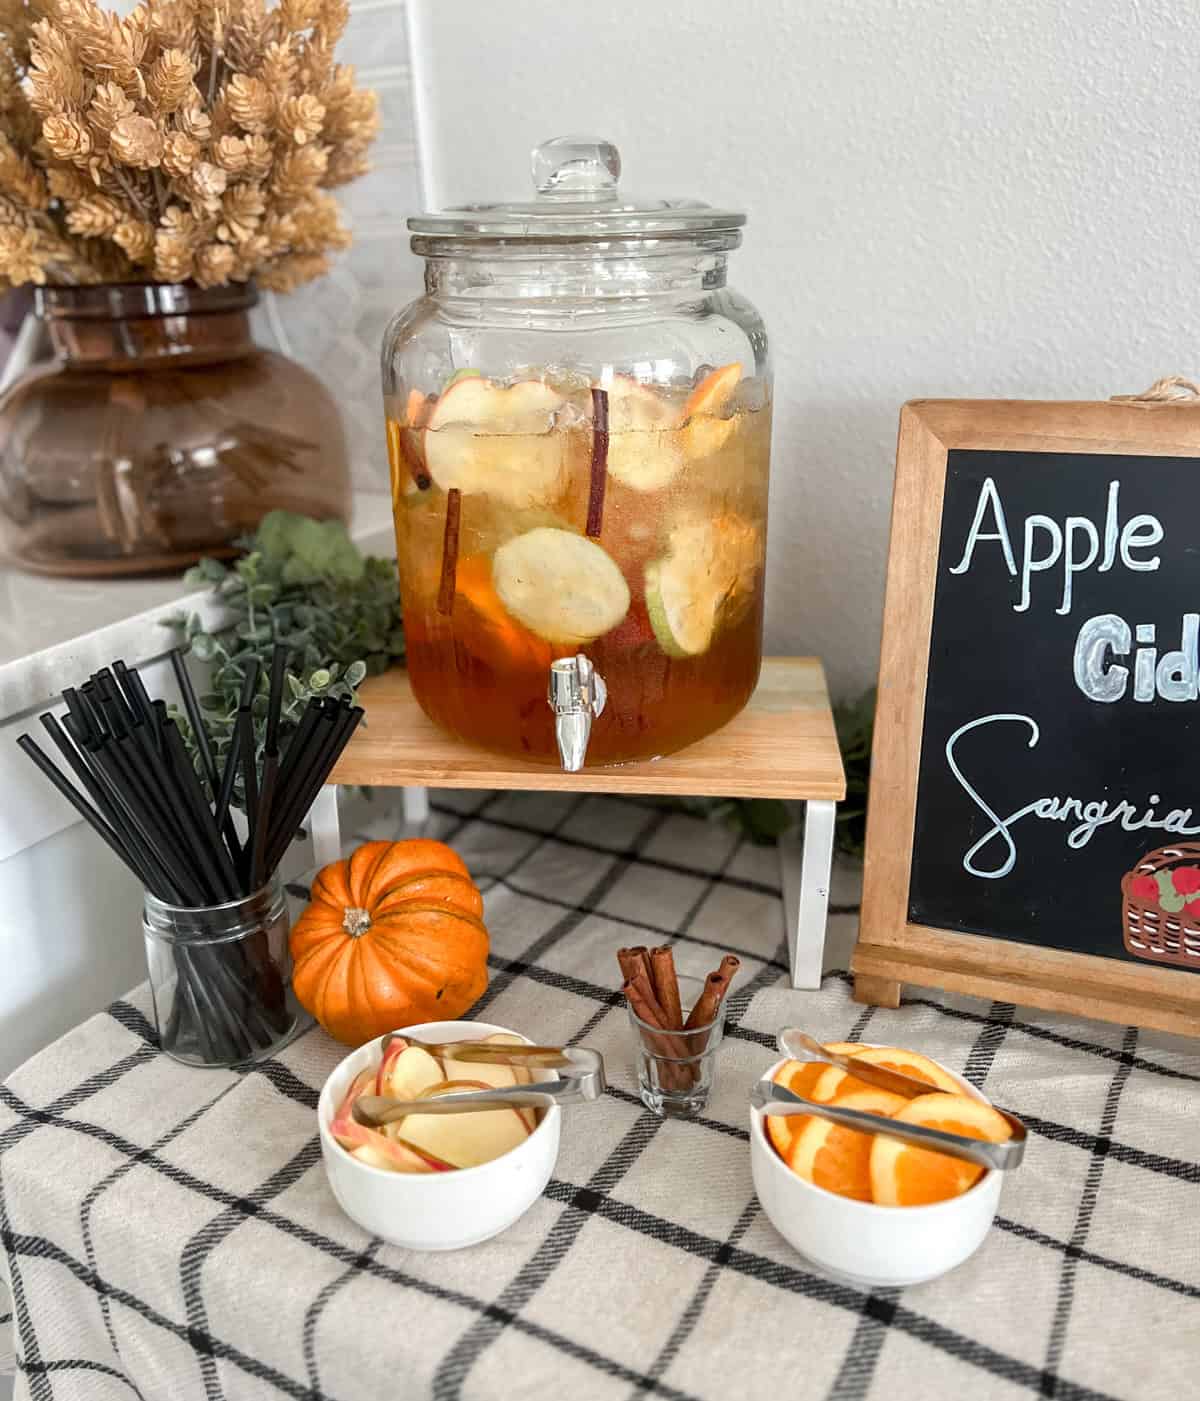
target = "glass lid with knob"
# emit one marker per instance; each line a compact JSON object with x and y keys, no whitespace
{"x":577,"y":197}
{"x":578,"y":423}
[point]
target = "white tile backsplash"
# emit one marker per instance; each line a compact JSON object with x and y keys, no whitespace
{"x":335,"y":325}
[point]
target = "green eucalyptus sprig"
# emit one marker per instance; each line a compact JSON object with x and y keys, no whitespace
{"x":305,"y":584}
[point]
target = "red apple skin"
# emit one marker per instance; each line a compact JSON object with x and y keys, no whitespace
{"x":395,"y":1046}
{"x":351,"y":1134}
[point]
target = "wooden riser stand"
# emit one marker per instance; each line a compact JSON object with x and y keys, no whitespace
{"x":783,"y":745}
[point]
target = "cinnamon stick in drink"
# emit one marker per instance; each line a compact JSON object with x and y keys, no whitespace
{"x":666,"y":984}
{"x":449,"y":581}
{"x":599,"y":464}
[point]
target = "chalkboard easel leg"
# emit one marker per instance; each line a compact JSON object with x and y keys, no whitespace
{"x":876,"y":991}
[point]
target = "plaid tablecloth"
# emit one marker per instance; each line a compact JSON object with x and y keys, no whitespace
{"x":169,"y":1233}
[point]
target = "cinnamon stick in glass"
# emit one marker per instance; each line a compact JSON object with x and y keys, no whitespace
{"x":635,"y":960}
{"x":708,"y":1004}
{"x":668,"y":1049}
{"x":666,"y":984}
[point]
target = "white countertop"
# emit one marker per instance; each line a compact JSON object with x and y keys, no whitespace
{"x":56,"y":632}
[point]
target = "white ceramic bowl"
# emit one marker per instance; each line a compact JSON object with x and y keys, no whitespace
{"x":437,"y":1210}
{"x":859,"y":1242}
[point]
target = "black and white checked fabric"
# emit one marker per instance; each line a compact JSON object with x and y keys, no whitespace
{"x":168,"y":1234}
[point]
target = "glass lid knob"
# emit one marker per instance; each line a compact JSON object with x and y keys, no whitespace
{"x":576,"y":168}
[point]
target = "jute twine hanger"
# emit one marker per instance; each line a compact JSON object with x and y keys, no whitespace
{"x":1174,"y":389}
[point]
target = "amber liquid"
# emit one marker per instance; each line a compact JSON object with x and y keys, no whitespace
{"x":482,"y":675}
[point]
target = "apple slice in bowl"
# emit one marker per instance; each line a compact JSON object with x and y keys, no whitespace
{"x":465,"y":1140}
{"x":440,"y":1201}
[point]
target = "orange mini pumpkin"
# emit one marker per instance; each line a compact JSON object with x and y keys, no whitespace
{"x":392,"y":937}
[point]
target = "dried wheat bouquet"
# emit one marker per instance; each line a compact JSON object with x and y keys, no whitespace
{"x":193,"y":139}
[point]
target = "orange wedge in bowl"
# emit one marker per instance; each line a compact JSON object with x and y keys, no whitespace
{"x":801,"y":1078}
{"x":901,"y":1174}
{"x":837,"y":1082}
{"x":706,"y":431}
{"x":912,"y":1064}
{"x":839,"y":1159}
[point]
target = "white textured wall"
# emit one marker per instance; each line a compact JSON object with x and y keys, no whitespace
{"x":944,"y":199}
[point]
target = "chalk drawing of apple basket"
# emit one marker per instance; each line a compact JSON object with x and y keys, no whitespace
{"x":1161,"y":906}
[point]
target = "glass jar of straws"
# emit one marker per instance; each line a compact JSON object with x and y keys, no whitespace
{"x":219,"y":976}
{"x":215,"y":921}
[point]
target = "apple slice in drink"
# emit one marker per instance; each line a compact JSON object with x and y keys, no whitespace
{"x":644,"y":447}
{"x":485,"y":438}
{"x":560,"y":585}
{"x":466,"y":1140}
{"x":400,"y":1155}
{"x":706,"y":575}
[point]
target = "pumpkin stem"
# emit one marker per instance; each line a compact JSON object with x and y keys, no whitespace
{"x":356,"y":922}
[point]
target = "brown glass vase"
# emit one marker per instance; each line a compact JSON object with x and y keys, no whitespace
{"x":159,"y":433}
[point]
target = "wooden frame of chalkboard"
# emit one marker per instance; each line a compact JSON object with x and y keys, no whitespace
{"x":923,"y":921}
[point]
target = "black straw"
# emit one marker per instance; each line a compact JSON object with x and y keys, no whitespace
{"x":245,"y":734}
{"x":192,"y":706}
{"x":72,"y":795}
{"x":275,"y":699}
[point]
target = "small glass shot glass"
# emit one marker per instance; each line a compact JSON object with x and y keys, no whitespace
{"x":675,"y":1068}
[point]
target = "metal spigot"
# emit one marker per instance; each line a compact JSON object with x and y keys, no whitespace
{"x":577,"y":694}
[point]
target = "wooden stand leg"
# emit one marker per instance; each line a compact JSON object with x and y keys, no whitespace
{"x":876,"y":991}
{"x":324,"y":825}
{"x":806,"y":871}
{"x":416,"y":806}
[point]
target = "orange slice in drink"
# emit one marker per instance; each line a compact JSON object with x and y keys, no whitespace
{"x":706,"y":431}
{"x":489,"y":629}
{"x":903,"y":1175}
{"x":417,"y":409}
{"x":837,"y":1158}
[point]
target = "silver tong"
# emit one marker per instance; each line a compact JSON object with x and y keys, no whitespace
{"x":771,"y":1098}
{"x":580,"y":1081}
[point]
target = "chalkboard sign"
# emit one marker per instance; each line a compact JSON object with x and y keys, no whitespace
{"x":1034,"y":830}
